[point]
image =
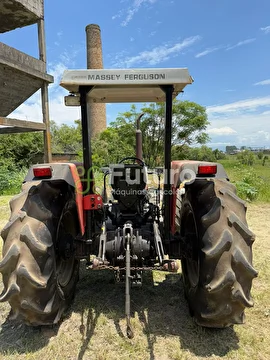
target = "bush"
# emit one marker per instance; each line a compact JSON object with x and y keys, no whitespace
{"x":246,"y":191}
{"x":219,"y":155}
{"x":260,"y":155}
{"x":10,"y":178}
{"x":248,"y":188}
{"x":266,"y":157}
{"x":246,"y":157}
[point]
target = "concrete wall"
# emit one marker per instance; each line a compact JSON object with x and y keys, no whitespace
{"x":19,"y":13}
{"x":35,"y":6}
{"x":21,"y":76}
{"x":21,"y":59}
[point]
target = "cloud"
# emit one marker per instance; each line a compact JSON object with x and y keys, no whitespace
{"x":31,"y":109}
{"x":220,"y":144}
{"x":59,"y":35}
{"x":228,"y":47}
{"x":157,"y":55}
{"x":56,"y":71}
{"x":264,"y":82}
{"x":242,"y":105}
{"x":226,"y":130}
{"x":245,"y":122}
{"x":264,"y":134}
{"x":241,"y":43}
{"x":247,"y":131}
{"x":266,"y":29}
{"x":207,"y":51}
{"x":129,"y":13}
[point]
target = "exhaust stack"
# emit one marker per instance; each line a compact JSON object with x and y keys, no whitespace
{"x":139,"y":138}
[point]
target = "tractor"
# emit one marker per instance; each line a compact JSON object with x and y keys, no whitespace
{"x":59,"y":219}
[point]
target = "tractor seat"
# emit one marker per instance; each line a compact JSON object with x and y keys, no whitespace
{"x":128,"y":182}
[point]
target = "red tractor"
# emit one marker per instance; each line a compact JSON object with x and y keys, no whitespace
{"x":58,"y":218}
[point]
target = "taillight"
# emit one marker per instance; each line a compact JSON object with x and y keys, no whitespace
{"x":42,"y":172}
{"x":207,"y":169}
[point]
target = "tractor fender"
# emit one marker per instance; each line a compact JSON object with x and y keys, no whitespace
{"x":72,"y":174}
{"x":179,"y":167}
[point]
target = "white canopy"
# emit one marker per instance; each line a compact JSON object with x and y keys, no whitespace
{"x":125,"y":85}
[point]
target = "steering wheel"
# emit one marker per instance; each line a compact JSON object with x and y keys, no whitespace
{"x":134,"y":159}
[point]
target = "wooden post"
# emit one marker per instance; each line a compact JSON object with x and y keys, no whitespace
{"x":44,"y":94}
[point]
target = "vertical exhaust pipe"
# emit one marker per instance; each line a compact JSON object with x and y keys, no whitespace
{"x":139,"y":138}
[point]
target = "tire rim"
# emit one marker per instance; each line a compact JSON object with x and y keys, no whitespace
{"x":65,"y":267}
{"x":65,"y":271}
{"x":191,"y":263}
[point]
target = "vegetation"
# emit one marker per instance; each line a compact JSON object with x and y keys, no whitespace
{"x":248,"y":171}
{"x":252,"y":182}
{"x":19,"y":151}
{"x":247,"y":157}
{"x":65,"y":138}
{"x":11,"y":177}
{"x":118,"y":141}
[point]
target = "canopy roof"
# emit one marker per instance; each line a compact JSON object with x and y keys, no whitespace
{"x":124,"y":85}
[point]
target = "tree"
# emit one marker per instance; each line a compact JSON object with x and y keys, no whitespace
{"x":21,"y":148}
{"x":180,"y":152}
{"x":189,"y":123}
{"x":219,"y":155}
{"x":202,"y":153}
{"x":65,"y":138}
{"x":110,"y":147}
{"x":188,"y":127}
{"x":230,"y":149}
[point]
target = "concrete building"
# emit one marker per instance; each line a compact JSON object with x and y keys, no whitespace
{"x":20,"y":74}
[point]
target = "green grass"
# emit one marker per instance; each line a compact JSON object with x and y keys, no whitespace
{"x":4,"y":210}
{"x":258,"y":176}
{"x":94,"y":326}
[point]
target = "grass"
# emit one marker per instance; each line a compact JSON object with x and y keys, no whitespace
{"x":257,"y":175}
{"x":4,"y":210}
{"x":94,"y":327}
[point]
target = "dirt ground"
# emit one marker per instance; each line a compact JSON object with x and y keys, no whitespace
{"x":94,"y":327}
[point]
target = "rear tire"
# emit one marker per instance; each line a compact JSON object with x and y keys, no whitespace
{"x":39,"y":284}
{"x":217,"y":253}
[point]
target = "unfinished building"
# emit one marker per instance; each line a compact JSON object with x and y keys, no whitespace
{"x":22,"y":75}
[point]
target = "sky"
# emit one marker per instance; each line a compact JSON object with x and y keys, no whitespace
{"x":224,"y":44}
